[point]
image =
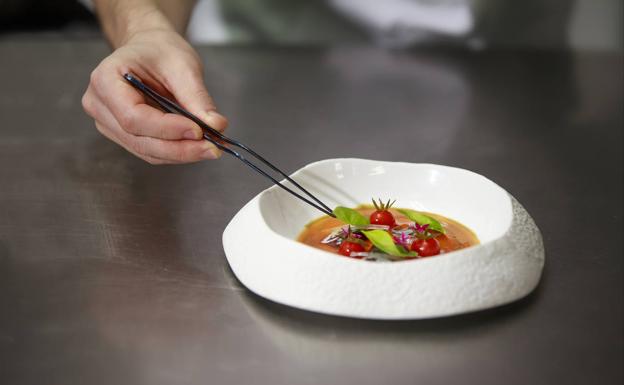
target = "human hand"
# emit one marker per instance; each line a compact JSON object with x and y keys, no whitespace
{"x":166,"y":62}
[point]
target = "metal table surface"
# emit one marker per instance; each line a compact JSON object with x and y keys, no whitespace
{"x":112,"y":270}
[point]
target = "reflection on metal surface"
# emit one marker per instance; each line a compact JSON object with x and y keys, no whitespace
{"x":111,"y":270}
{"x":321,"y":341}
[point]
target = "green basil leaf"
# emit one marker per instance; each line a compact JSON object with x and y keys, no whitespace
{"x":350,"y":216}
{"x":382,"y":240}
{"x":423,"y":219}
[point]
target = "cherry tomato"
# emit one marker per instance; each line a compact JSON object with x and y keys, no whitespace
{"x":426,"y":247}
{"x":347,"y":247}
{"x":382,"y":217}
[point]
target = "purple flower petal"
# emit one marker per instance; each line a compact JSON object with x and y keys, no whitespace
{"x":420,"y":228}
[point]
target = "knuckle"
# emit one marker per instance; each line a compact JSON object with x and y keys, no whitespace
{"x":87,"y":104}
{"x":100,"y":128}
{"x":93,"y":75}
{"x":127,"y":121}
{"x":180,"y":154}
{"x":184,"y":153}
{"x":98,"y":76}
{"x":95,"y":79}
{"x":163,"y":133}
{"x":139,"y":148}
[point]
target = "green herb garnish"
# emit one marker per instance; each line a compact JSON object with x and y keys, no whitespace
{"x":383,"y":241}
{"x":350,"y":216}
{"x":423,"y":219}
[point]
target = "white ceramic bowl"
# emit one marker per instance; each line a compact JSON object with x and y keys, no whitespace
{"x":506,"y":266}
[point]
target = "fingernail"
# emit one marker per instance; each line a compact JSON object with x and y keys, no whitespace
{"x":190,"y":134}
{"x":209,"y":115}
{"x":211,"y":153}
{"x":214,"y":117}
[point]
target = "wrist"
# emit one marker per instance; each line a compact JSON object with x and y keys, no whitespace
{"x":144,"y":20}
{"x":122,"y":20}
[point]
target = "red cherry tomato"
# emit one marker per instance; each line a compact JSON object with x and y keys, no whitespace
{"x":382,"y":217}
{"x":347,"y":247}
{"x":426,"y":247}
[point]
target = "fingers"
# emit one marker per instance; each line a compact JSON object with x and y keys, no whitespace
{"x":109,"y":134}
{"x":152,"y":150}
{"x":123,"y":115}
{"x":189,"y":89}
{"x":145,"y":120}
{"x":175,"y":151}
{"x":138,"y":118}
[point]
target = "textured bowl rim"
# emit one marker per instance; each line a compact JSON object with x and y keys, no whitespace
{"x":284,"y":279}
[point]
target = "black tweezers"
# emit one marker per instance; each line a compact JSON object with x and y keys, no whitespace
{"x":221,"y":141}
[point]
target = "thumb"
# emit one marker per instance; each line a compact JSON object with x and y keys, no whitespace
{"x":190,"y":91}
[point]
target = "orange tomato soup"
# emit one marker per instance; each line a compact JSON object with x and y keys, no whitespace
{"x":457,"y":236}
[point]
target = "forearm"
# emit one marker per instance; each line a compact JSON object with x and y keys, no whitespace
{"x":121,"y":19}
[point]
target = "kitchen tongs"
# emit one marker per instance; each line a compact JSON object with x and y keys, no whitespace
{"x":224,"y":144}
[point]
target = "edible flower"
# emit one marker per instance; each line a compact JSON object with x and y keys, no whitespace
{"x":419,"y":228}
{"x":403,"y":239}
{"x":423,"y":231}
{"x":346,"y":233}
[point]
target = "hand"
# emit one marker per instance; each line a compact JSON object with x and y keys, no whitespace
{"x":166,"y":62}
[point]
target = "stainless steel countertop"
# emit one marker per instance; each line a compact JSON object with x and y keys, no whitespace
{"x":112,"y":270}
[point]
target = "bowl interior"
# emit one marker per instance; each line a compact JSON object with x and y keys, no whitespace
{"x":458,"y":194}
